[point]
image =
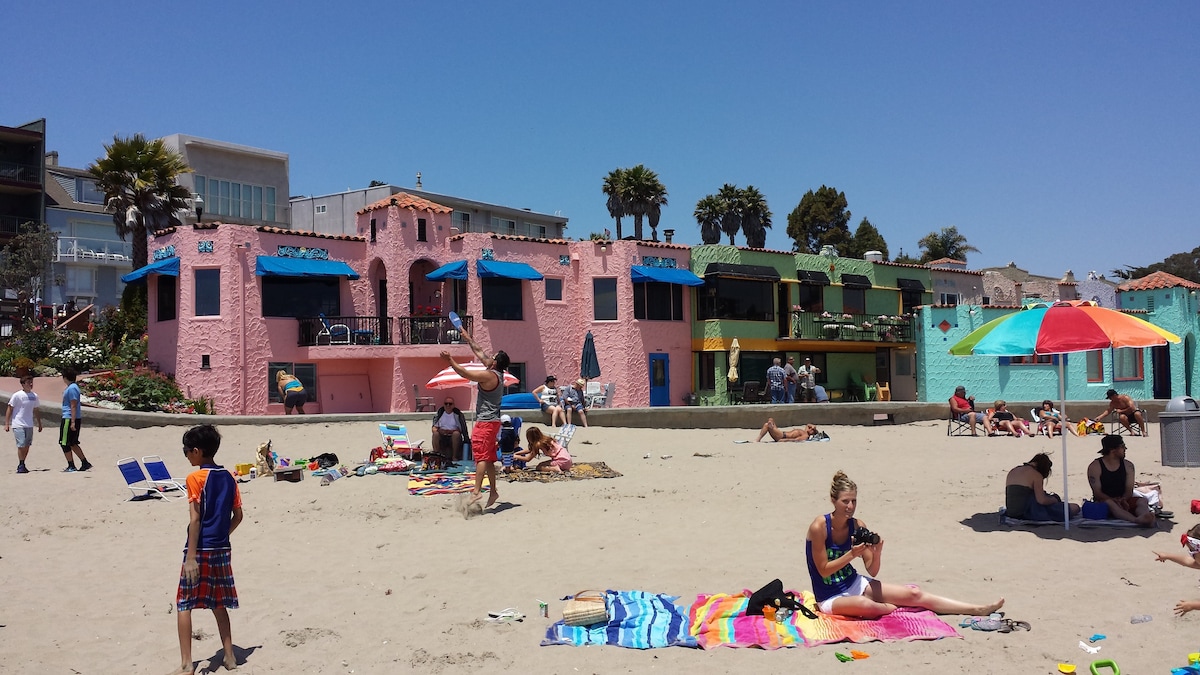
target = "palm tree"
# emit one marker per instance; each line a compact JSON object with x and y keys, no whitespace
{"x":731,"y":210}
{"x":756,"y":217}
{"x":642,"y":194}
{"x":708,"y":215}
{"x":137,"y":177}
{"x":614,"y":188}
{"x":945,"y":244}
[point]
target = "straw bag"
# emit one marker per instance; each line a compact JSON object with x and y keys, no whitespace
{"x":585,"y":609}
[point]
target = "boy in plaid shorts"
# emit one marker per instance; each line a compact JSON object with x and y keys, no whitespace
{"x":206,"y":581}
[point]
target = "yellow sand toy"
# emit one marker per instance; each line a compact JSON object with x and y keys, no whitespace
{"x":1096,"y":665}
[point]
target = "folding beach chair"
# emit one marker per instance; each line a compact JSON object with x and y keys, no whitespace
{"x":595,"y":395}
{"x":565,"y":434}
{"x":957,"y":427}
{"x":136,"y":481}
{"x":395,"y":438}
{"x":160,"y":475}
{"x":1115,"y":426}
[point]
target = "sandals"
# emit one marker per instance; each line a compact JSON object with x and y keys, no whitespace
{"x":506,"y":616}
{"x":989,"y":624}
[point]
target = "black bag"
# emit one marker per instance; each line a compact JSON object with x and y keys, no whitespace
{"x":772,"y":595}
{"x":326,"y":460}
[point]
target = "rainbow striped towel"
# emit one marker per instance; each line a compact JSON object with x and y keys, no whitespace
{"x":442,"y":483}
{"x":637,"y":620}
{"x":719,"y":621}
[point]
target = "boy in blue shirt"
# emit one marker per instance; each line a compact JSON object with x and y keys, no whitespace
{"x":206,"y":580}
{"x":68,"y":431}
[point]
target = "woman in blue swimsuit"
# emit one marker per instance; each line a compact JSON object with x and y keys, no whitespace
{"x":839,"y":589}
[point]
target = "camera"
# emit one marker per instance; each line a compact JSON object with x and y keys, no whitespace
{"x":864,"y":536}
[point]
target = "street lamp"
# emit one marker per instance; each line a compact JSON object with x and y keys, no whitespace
{"x":829,"y":252}
{"x":198,"y":202}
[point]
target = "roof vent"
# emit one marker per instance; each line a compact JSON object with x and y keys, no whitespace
{"x":874,"y":256}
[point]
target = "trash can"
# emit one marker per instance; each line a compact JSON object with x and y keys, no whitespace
{"x":1179,"y":432}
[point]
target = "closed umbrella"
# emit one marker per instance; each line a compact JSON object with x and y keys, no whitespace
{"x":589,"y":363}
{"x":1061,"y":328}
{"x":735,"y":352}
{"x":448,"y":379}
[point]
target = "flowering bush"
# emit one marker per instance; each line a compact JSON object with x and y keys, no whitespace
{"x":78,"y":357}
{"x":847,"y":317}
{"x":826,"y":315}
{"x":797,"y":308}
{"x":866,"y":325}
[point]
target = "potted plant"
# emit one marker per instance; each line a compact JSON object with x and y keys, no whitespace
{"x":23,"y":365}
{"x":797,"y":310}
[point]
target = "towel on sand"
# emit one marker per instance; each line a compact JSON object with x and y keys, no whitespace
{"x":442,"y":483}
{"x":579,"y":471}
{"x":636,"y":619}
{"x":720,"y":621}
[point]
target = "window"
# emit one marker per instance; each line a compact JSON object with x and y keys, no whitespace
{"x":372,"y":230}
{"x":320,"y":208}
{"x":987,"y":300}
{"x":656,"y":301}
{"x":167,"y":291}
{"x":86,"y":192}
{"x":706,"y":370}
{"x":812,"y":298}
{"x":1041,"y":360}
{"x":208,"y":292}
{"x":854,"y":300}
{"x":745,"y":299}
{"x":950,"y":299}
{"x":422,"y":230}
{"x":305,"y":372}
{"x":910,"y":300}
{"x":297,"y":297}
{"x":1095,"y":366}
{"x":501,"y":299}
{"x":1127,"y":364}
{"x":235,"y":200}
{"x":238,"y":200}
{"x":461,"y":220}
{"x":542,"y":231}
{"x":554,"y":289}
{"x":518,"y":371}
{"x":504,"y":225}
{"x":81,"y":280}
{"x":604,"y":299}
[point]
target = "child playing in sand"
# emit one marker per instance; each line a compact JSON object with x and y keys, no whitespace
{"x":540,"y":444}
{"x":215,"y":508}
{"x":1191,"y":542}
{"x":509,"y":438}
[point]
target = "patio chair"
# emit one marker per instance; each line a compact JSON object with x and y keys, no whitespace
{"x":337,"y":334}
{"x":138,"y":484}
{"x":160,"y":475}
{"x":1115,"y":426}
{"x":594,"y":395}
{"x":752,"y":392}
{"x":883,"y":391}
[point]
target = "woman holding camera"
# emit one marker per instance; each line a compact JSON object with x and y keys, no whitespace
{"x":835,"y":540}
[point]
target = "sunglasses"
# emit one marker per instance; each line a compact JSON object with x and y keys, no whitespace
{"x":448,"y":403}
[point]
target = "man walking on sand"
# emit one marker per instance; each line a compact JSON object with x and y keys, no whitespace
{"x":485,"y":434}
{"x":68,"y":431}
{"x":22,"y":410}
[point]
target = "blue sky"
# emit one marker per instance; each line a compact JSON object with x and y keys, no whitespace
{"x":1057,"y":135}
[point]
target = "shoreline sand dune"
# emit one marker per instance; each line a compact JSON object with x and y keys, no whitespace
{"x":90,"y":577}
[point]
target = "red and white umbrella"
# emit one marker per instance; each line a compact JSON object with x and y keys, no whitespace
{"x":448,"y":379}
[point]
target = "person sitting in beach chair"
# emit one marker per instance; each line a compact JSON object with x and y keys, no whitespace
{"x":962,"y":408}
{"x":784,"y":435}
{"x":538,"y":443}
{"x":449,"y":431}
{"x":574,"y":401}
{"x":1000,"y":420}
{"x":1124,"y":410}
{"x":1048,"y":419}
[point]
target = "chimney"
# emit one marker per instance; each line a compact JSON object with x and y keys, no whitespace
{"x":418,"y":180}
{"x":668,"y":235}
{"x":52,"y":158}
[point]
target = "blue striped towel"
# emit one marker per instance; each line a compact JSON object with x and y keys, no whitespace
{"x":637,"y":620}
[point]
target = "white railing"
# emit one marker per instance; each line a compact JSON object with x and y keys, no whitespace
{"x":79,"y":249}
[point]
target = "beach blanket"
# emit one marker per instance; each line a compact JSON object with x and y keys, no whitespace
{"x":637,"y":620}
{"x":1077,"y":521}
{"x":579,"y":471}
{"x":442,"y":483}
{"x":720,"y":621}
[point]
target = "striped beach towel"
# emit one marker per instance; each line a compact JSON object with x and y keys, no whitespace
{"x":720,"y":621}
{"x":442,"y":483}
{"x":637,"y":620}
{"x":904,"y":624}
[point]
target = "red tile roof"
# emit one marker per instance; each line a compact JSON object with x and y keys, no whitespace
{"x":1157,"y":280}
{"x":315,"y":235}
{"x":404,"y":200}
{"x":896,"y":264}
{"x":944,"y":261}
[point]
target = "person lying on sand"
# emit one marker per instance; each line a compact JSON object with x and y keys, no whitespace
{"x":782,"y":435}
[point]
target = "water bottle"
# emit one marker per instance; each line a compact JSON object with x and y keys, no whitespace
{"x":1140,"y":618}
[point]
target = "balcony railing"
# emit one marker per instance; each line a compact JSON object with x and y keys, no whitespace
{"x":22,"y":173}
{"x":850,"y":327}
{"x":379,"y":330}
{"x":11,"y":225}
{"x":75,"y":249}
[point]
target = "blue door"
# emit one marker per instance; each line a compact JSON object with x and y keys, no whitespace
{"x":660,"y":380}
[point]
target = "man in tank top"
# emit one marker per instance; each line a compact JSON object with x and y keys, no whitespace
{"x":1111,"y":477}
{"x":486,"y":430}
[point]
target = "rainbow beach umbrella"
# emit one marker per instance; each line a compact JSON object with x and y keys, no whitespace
{"x":1061,"y":328}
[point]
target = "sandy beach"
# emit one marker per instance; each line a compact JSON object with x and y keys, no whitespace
{"x":361,"y":577}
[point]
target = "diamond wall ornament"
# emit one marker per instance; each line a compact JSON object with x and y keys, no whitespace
{"x":945,"y":326}
{"x":487,"y":254}
{"x":564,"y":260}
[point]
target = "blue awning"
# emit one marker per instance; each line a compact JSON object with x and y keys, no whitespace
{"x":454,"y":270}
{"x":166,"y":266}
{"x":274,"y":266}
{"x":666,"y":275}
{"x":507,"y":270}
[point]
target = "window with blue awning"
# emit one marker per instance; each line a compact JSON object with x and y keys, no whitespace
{"x":454,"y":270}
{"x":274,"y":266}
{"x":167,"y":267}
{"x":665,"y":275}
{"x":490,"y":269}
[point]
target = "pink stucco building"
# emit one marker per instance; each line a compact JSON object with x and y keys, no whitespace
{"x":229,"y":305}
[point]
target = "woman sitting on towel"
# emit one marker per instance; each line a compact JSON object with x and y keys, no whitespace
{"x":839,"y":589}
{"x":538,"y":443}
{"x":1026,"y":499}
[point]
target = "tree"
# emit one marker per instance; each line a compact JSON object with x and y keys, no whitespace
{"x":25,"y":263}
{"x":756,"y":217}
{"x":906,"y":259}
{"x":643,"y":194}
{"x":138,"y":179}
{"x":945,"y":244}
{"x":820,"y":219}
{"x":867,"y":238}
{"x":731,"y":210}
{"x":708,"y":216}
{"x":376,"y":183}
{"x":614,"y":188}
{"x":1182,"y":265}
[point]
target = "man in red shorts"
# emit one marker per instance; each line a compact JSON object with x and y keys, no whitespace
{"x":486,"y":431}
